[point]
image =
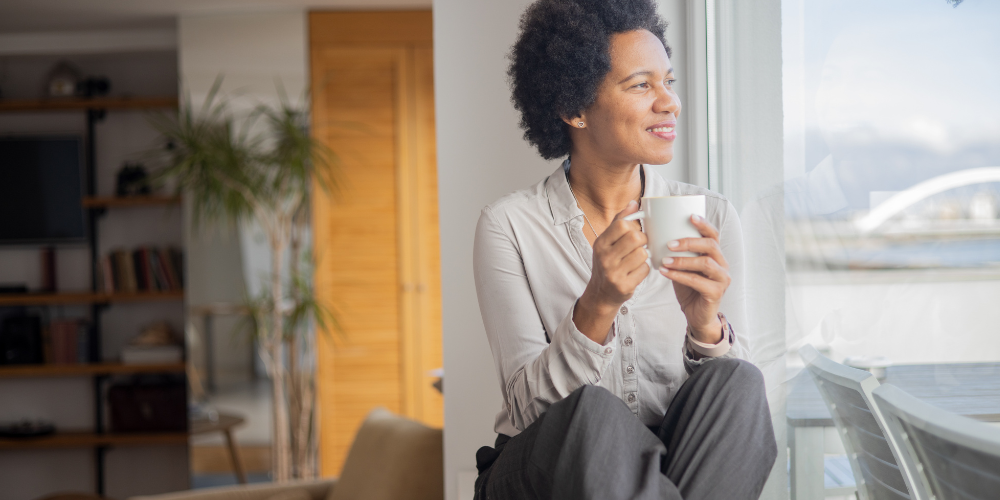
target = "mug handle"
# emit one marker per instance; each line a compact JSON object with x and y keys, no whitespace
{"x":638,"y":215}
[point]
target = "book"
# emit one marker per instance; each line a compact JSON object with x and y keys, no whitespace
{"x":177,"y":261}
{"x":159,"y":270}
{"x":140,"y":276}
{"x":142,"y":269}
{"x":107,"y":275}
{"x":126,"y":272}
{"x":82,"y":343}
{"x":168,"y":269}
{"x":62,"y":334}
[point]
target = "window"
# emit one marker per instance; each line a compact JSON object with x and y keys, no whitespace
{"x":892,"y":164}
{"x":868,"y":189}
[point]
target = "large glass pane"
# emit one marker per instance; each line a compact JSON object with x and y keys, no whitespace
{"x":892,"y":152}
{"x":892,"y":168}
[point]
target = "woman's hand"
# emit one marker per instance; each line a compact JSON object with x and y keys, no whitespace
{"x":619,"y":265}
{"x":699,"y":282}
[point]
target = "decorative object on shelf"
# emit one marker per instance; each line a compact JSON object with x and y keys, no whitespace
{"x":62,"y":80}
{"x":26,"y":428}
{"x":148,"y":403}
{"x":93,"y":86}
{"x":234,"y":175}
{"x":21,"y":340}
{"x":132,"y":180}
{"x":156,"y":344}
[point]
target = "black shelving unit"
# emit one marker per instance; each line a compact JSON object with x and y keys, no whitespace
{"x":100,"y":439}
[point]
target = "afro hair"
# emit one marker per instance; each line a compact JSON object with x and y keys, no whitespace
{"x":560,"y":58}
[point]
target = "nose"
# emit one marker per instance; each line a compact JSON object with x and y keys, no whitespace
{"x":666,"y":101}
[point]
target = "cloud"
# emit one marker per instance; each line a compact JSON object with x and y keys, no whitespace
{"x":919,"y":77}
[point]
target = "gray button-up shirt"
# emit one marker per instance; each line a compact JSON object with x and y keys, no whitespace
{"x":532,"y":262}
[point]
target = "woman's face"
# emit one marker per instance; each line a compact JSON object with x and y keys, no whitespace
{"x":634,"y":116}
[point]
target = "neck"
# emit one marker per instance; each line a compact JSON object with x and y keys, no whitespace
{"x":603,"y":190}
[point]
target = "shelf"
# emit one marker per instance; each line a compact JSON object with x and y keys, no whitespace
{"x":72,"y":103}
{"x":130,"y":201}
{"x":90,"y":439}
{"x":82,"y":370}
{"x":42,"y":299}
{"x":143,"y":296}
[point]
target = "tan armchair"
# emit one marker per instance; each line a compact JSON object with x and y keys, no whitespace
{"x":392,"y":458}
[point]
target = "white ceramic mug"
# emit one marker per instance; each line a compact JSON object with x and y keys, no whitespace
{"x":666,"y":219}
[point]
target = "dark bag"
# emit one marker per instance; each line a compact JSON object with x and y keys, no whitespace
{"x":149,"y":404}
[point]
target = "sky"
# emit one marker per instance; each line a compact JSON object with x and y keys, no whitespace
{"x":897,"y":91}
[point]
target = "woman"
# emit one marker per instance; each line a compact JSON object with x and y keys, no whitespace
{"x":618,"y":381}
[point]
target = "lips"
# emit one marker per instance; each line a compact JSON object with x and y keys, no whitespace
{"x":664,"y":130}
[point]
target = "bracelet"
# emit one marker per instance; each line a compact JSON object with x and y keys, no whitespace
{"x":713,"y":350}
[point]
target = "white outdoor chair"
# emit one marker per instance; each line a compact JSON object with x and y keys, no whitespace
{"x":955,"y":456}
{"x":872,"y":452}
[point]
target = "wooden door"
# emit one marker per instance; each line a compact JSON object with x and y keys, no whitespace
{"x":376,"y":239}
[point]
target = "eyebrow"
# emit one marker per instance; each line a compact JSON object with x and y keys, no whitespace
{"x":637,"y":73}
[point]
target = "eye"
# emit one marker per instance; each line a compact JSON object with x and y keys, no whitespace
{"x":643,"y":85}
{"x":670,"y":82}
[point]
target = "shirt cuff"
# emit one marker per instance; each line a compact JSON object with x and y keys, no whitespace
{"x":713,"y":350}
{"x":607,"y":349}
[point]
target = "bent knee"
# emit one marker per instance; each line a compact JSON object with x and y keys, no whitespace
{"x":736,"y":371}
{"x":592,"y":396}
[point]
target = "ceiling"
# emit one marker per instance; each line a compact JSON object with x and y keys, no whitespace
{"x":25,"y":16}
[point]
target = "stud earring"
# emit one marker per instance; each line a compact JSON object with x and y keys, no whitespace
{"x":580,"y":124}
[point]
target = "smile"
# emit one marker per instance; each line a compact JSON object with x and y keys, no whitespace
{"x":660,"y":129}
{"x":665,"y":132}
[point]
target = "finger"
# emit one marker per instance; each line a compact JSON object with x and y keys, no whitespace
{"x":616,"y":231}
{"x":635,"y":259}
{"x":637,"y":275}
{"x":619,"y":227}
{"x":628,"y":242}
{"x":707,"y":266}
{"x":710,"y":290}
{"x":639,"y":272}
{"x":704,"y":227}
{"x":704,"y":246}
{"x":629,"y":209}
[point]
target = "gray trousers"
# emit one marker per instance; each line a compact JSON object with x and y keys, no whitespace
{"x":715,"y":442}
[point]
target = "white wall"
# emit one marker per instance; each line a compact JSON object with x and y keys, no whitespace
{"x":481,"y":156}
{"x":252,"y":52}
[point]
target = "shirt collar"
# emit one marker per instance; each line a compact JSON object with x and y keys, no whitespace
{"x":563,"y":205}
{"x":561,"y":201}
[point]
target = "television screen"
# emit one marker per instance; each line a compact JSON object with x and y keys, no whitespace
{"x":41,"y":190}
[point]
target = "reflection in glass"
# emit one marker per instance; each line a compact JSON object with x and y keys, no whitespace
{"x":892,"y":168}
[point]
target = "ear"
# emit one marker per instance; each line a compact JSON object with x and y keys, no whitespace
{"x":575,"y":121}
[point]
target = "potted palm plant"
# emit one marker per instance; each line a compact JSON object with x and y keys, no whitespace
{"x":260,"y":169}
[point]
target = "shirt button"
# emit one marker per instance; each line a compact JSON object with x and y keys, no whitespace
{"x":631,"y":397}
{"x":630,"y":369}
{"x":607,"y":350}
{"x":624,"y":310}
{"x":628,"y":340}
